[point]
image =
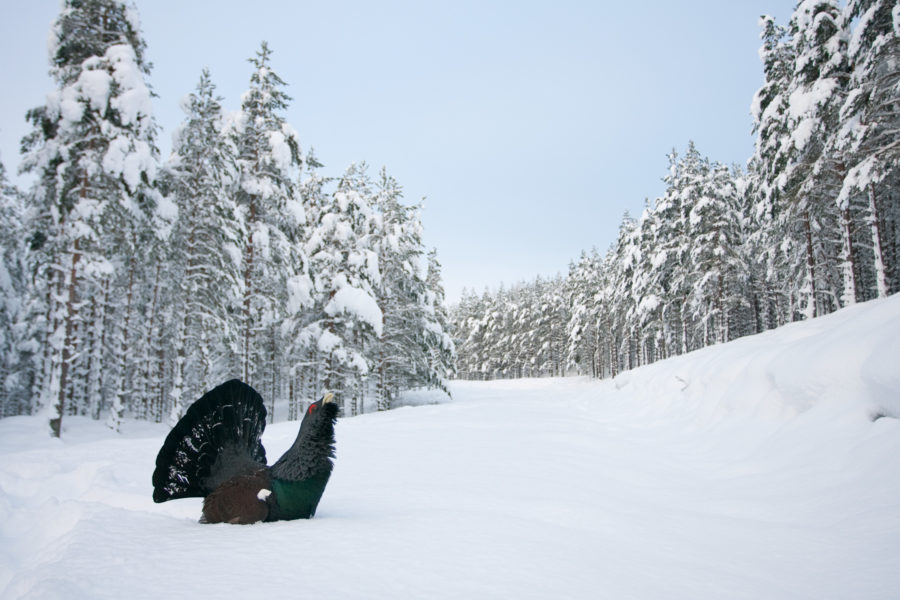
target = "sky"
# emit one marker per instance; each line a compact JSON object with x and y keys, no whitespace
{"x":529,"y":128}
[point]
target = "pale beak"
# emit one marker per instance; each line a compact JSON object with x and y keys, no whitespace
{"x":329,"y":397}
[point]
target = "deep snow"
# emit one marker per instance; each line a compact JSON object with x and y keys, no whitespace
{"x":748,"y":470}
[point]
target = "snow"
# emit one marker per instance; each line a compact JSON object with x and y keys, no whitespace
{"x":859,"y":177}
{"x":299,"y":288}
{"x":857,"y":41}
{"x":280,"y":151}
{"x":261,"y":240}
{"x":328,"y":341}
{"x":754,"y":469}
{"x":94,"y":86}
{"x":294,"y":208}
{"x":803,"y":104}
{"x":166,"y":209}
{"x":648,"y":304}
{"x":355,"y":301}
{"x":133,"y":101}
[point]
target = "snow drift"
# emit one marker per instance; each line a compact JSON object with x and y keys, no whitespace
{"x":768,"y":467}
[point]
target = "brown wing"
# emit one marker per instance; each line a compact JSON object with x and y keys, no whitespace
{"x":240,"y":500}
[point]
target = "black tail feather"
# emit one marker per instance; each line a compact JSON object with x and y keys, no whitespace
{"x":216,"y":439}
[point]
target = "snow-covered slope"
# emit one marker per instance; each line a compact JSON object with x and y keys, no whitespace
{"x":757,"y":469}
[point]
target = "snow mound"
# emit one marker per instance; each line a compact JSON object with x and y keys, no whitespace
{"x":843,"y":363}
{"x":764,"y":468}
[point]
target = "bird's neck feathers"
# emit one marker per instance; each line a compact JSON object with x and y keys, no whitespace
{"x":312,"y":451}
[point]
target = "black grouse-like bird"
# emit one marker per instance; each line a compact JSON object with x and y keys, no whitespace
{"x":215,"y":452}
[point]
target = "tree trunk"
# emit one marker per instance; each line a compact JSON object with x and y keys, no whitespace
{"x":811,"y":307}
{"x":49,"y":363}
{"x":881,"y":285}
{"x":848,"y":267}
{"x":273,"y":369}
{"x":292,"y":407}
{"x":117,"y":410}
{"x":148,"y":393}
{"x":178,"y":388}
{"x":96,"y":345}
{"x":248,"y":293}
{"x":59,"y":408}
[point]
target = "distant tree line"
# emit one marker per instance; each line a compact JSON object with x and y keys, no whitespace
{"x":130,"y":285}
{"x":811,"y":225}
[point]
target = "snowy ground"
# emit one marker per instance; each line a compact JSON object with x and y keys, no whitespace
{"x":750,"y":470}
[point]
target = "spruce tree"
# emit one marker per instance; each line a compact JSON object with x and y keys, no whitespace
{"x":413,"y":350}
{"x":344,"y":265}
{"x":715,"y":228}
{"x":268,"y":161}
{"x":93,"y":151}
{"x":868,"y":138}
{"x":582,"y":329}
{"x":16,"y":344}
{"x":305,"y":366}
{"x":205,"y":250}
{"x":811,"y":217}
{"x":770,"y":124}
{"x":396,"y":292}
{"x":441,"y":350}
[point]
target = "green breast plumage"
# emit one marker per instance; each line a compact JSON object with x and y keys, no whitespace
{"x":297,"y":499}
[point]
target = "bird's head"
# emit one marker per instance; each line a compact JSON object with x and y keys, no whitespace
{"x":320,"y":417}
{"x":326,"y":406}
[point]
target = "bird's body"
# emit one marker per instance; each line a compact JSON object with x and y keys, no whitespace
{"x":215,"y":452}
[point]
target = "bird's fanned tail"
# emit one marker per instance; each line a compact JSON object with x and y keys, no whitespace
{"x":217,"y":438}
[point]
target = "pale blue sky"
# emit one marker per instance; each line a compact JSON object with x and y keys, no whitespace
{"x":530,"y":126}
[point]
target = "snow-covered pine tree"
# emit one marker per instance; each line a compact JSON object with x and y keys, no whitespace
{"x":398,"y":294}
{"x":297,"y":297}
{"x":617,"y":292}
{"x":747,"y":291}
{"x":548,"y":304}
{"x":714,"y":225}
{"x":869,"y":140}
{"x":413,"y":349}
{"x":651,"y":282}
{"x":464,"y":317}
{"x":794,"y":170}
{"x":495,"y":327}
{"x":673,"y":271}
{"x":770,"y":124}
{"x":305,"y":366}
{"x":582,"y":330}
{"x":469,"y":331}
{"x":268,"y":161}
{"x":345,"y":319}
{"x":821,"y":77}
{"x":603,"y":316}
{"x":441,"y":350}
{"x":811,"y":217}
{"x":491,"y":329}
{"x":16,"y":347}
{"x":763,"y":290}
{"x":93,"y":151}
{"x":205,"y":250}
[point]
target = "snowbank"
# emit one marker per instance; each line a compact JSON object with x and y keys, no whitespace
{"x":844,"y":363}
